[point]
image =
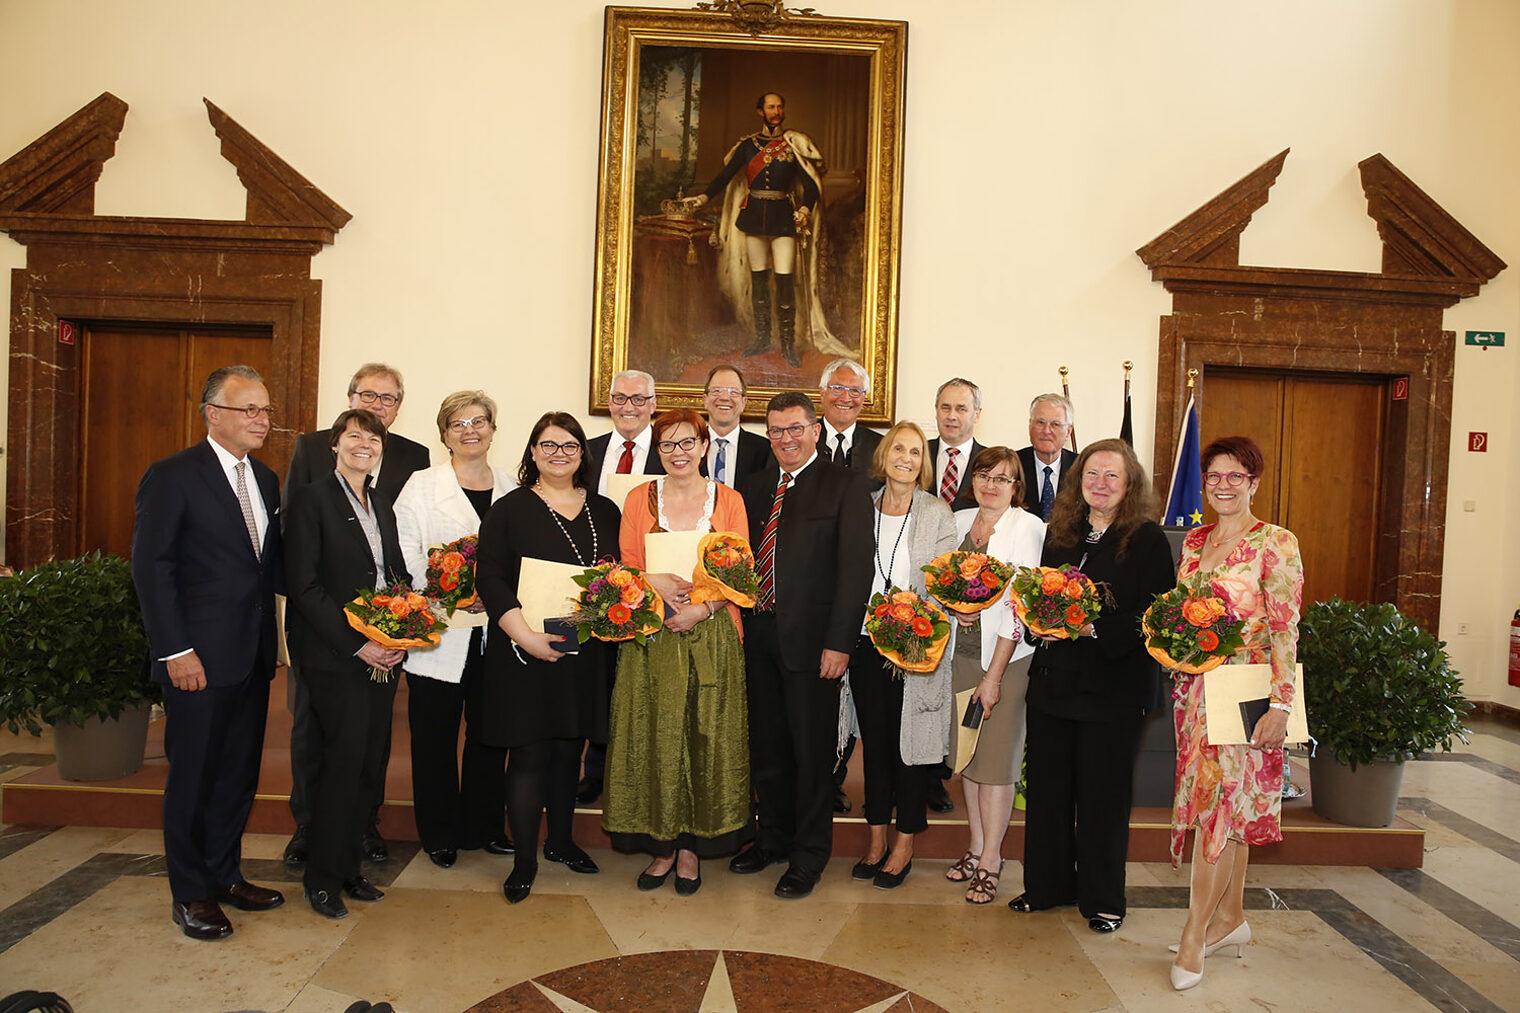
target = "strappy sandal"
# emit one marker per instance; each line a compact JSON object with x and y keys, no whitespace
{"x":984,"y":886}
{"x":964,"y":869}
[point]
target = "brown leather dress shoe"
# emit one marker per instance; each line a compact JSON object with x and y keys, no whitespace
{"x":201,"y":919}
{"x":244,"y":896}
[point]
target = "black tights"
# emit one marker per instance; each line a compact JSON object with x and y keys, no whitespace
{"x":541,"y":777}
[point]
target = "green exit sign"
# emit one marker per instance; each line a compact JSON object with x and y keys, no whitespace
{"x":1488,"y":339}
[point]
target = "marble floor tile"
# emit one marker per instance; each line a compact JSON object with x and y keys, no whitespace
{"x":28,"y":868}
{"x":1492,"y":747}
{"x":1480,"y":874}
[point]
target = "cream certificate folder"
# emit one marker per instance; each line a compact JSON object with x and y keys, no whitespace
{"x":619,"y":486}
{"x":672,"y":552}
{"x":465,"y":620}
{"x":547,"y":590}
{"x":1226,"y":687}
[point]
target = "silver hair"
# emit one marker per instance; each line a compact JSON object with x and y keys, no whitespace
{"x":377,"y":369}
{"x":633,"y":374}
{"x":837,"y":365}
{"x":1059,"y":400}
{"x":959,"y":381}
{"x":211,"y":390}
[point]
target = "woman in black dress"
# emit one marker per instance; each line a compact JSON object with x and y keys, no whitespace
{"x":536,"y":701}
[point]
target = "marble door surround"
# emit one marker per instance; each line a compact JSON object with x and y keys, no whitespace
{"x":82,"y":266}
{"x":1386,"y":324}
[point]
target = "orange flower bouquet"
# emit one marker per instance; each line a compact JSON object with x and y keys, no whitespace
{"x":451,"y":574}
{"x":1054,"y":601}
{"x":907,"y":630}
{"x":395,"y":618}
{"x":1191,"y":628}
{"x":616,"y":603}
{"x":966,"y":582}
{"x":725,"y":570}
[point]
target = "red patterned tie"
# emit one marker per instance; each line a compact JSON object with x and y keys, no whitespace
{"x":765,"y":568}
{"x":625,"y":463}
{"x":950,"y":485}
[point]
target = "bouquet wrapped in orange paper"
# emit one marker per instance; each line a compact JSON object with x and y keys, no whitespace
{"x":451,"y":574}
{"x":1054,"y":601}
{"x":396,"y":618}
{"x":616,"y":603}
{"x":725,"y":570}
{"x":1192,"y":629}
{"x":966,"y":582}
{"x":907,"y":630}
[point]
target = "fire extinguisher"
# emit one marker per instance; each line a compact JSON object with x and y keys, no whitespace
{"x":1514,"y":650}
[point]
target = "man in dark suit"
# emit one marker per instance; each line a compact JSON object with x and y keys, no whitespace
{"x":206,"y":560}
{"x":957,"y":407}
{"x":631,"y":401}
{"x":378,"y":388}
{"x":810,"y":524}
{"x":1046,"y":460}
{"x":732,"y":452}
{"x":843,"y":390}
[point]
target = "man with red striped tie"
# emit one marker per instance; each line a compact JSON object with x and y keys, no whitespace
{"x":810,"y":525}
{"x":957,"y":407}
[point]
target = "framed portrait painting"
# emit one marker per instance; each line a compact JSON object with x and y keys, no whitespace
{"x":750,"y":201}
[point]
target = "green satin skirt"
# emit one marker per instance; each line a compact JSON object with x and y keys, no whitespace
{"x":678,"y":743}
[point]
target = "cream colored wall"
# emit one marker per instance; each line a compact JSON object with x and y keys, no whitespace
{"x":463,"y":137}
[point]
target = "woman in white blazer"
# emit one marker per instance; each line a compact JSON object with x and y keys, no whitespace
{"x":455,"y":806}
{"x":989,"y":656}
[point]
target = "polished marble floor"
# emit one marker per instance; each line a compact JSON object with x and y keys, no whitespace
{"x":84,"y":911}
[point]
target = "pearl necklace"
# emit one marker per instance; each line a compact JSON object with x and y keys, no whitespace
{"x":538,"y":488}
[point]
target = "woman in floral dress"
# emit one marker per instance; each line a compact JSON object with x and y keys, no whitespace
{"x":1232,"y":795}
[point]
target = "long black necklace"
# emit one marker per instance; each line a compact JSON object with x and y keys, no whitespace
{"x":886,"y":575}
{"x":566,"y":531}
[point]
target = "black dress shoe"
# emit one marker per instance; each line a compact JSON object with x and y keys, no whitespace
{"x":360,"y":888}
{"x":1021,"y":904}
{"x":297,"y":850}
{"x":885,"y":880}
{"x":1099,"y":923}
{"x":444,"y":858}
{"x":867,"y":870}
{"x":374,"y":847}
{"x":938,"y":798}
{"x":201,"y":919}
{"x":588,"y":791}
{"x":501,"y":846}
{"x":244,"y":896}
{"x":686,"y":887}
{"x":516,"y":889}
{"x":327,"y":904}
{"x":841,"y":801}
{"x":752,"y":859}
{"x":572,"y":858}
{"x":795,"y":883}
{"x":649,"y":881}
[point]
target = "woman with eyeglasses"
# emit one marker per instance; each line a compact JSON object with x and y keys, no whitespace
{"x":1088,"y":695}
{"x":1231,"y":796}
{"x":678,"y":757}
{"x":988,"y":657}
{"x":537,"y":700}
{"x":457,"y":805}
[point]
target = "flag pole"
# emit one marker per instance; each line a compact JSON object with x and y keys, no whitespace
{"x":1066,"y":393}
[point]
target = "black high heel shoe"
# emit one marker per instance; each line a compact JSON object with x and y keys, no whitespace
{"x":1020,"y":904}
{"x":517,"y":888}
{"x":1102,"y":923}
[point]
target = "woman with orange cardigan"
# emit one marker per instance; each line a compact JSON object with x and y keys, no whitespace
{"x":677,"y":783}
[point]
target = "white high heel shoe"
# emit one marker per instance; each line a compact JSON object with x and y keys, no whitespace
{"x":1237,"y":937}
{"x":1183,"y":979}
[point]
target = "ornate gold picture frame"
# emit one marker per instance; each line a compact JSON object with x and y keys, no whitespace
{"x":811,"y":186}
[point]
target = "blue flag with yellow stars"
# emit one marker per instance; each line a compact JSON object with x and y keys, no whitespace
{"x":1184,"y":504}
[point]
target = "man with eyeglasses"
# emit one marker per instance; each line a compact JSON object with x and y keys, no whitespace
{"x":631,"y":400}
{"x":810,"y":525}
{"x":732,"y":452}
{"x":206,"y":561}
{"x":1046,"y":460}
{"x":843,"y":389}
{"x":377,"y":388}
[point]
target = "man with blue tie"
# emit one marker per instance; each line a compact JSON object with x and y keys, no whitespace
{"x":1046,"y":460}
{"x":732,"y":452}
{"x":206,"y":560}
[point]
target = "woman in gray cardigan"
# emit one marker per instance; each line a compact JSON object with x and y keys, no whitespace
{"x":904,"y":722}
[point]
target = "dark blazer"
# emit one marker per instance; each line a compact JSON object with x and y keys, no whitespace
{"x":598,"y":447}
{"x":313,"y":458}
{"x":1034,"y":475}
{"x":964,"y":497}
{"x":328,"y":562}
{"x":1111,"y":676}
{"x":862,"y":448}
{"x":823,"y":557}
{"x":199,"y":582}
{"x":753,"y":454}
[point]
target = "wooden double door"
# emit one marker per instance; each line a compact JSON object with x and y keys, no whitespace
{"x":1324,"y":439}
{"x":139,"y":401}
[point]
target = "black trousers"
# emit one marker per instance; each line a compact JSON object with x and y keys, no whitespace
{"x":457,"y":801}
{"x":306,"y":753}
{"x":793,"y":727}
{"x":214,"y":740}
{"x":1076,"y":828}
{"x":352,"y":713}
{"x":890,"y":783}
{"x":541,"y":781}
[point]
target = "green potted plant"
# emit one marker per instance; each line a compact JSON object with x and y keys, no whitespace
{"x":1379,"y":690}
{"x":72,"y":655}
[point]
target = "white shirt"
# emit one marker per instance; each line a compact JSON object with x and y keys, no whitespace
{"x":831,"y":439}
{"x":615,"y":454}
{"x":942,"y":461}
{"x":255,"y":497}
{"x":1038,"y":480}
{"x":730,"y":458}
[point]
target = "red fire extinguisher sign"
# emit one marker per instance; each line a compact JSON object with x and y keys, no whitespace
{"x":1514,"y":650}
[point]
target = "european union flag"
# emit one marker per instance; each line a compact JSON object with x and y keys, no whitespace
{"x":1184,"y":504}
